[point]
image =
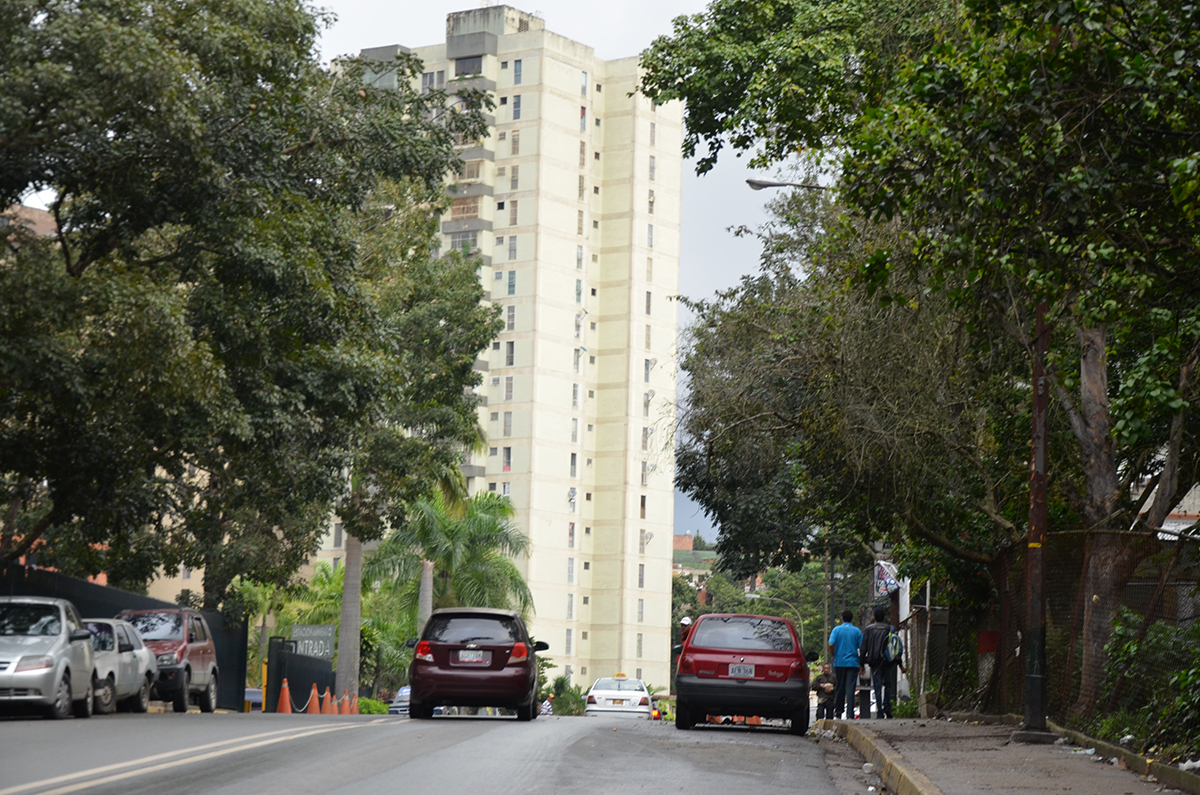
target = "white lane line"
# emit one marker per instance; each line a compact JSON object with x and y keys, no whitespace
{"x":175,"y":763}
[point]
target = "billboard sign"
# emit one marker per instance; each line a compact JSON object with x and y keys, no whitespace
{"x":314,"y":640}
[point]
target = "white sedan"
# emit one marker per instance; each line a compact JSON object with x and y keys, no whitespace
{"x":618,"y":695}
{"x":125,"y":667}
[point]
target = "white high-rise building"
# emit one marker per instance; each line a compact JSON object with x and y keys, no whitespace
{"x":573,"y":200}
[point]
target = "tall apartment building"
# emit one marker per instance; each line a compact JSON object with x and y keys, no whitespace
{"x":573,"y":201}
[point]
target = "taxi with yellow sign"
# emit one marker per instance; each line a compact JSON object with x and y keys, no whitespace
{"x":619,"y":695}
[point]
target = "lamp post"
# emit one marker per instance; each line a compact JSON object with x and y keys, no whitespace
{"x":759,"y":184}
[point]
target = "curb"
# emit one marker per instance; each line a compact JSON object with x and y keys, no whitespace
{"x":889,"y":763}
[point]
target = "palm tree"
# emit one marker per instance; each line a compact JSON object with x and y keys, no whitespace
{"x":471,"y":550}
{"x":262,"y":599}
{"x":321,"y":601}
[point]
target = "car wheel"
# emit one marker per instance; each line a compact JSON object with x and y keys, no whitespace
{"x":683,"y":716}
{"x":106,"y":696}
{"x":418,"y":711}
{"x":180,"y":702}
{"x":83,"y":707}
{"x":208,"y":699}
{"x":525,"y":712}
{"x":140,"y":701}
{"x":799,"y":721}
{"x":61,"y":707}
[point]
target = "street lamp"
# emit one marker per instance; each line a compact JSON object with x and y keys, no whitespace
{"x":759,"y":184}
{"x":796,"y":610}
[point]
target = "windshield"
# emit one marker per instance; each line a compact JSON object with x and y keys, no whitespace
{"x":158,"y":626}
{"x":472,"y":629}
{"x":19,"y":619}
{"x":619,"y":684}
{"x":744,"y":633}
{"x":102,"y":636}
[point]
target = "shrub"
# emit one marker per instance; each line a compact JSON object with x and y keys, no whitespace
{"x":369,"y":706}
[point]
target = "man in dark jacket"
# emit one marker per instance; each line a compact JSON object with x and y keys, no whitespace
{"x":824,"y":684}
{"x":883,"y":671}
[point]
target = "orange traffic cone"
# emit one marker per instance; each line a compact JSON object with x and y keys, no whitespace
{"x":327,"y":703}
{"x":354,"y":705}
{"x":314,"y":701}
{"x":343,"y":707}
{"x":284,"y":707}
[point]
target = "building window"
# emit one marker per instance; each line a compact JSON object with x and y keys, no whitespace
{"x":468,"y":66}
{"x":574,"y":464}
{"x":574,"y":396}
{"x":582,"y":119}
{"x":646,"y":403}
{"x":574,"y":429}
{"x":570,"y":570}
{"x":653,"y":164}
{"x":579,"y":223}
{"x":516,"y":109}
{"x":641,"y":612}
{"x":579,"y":291}
{"x":495,"y":415}
{"x":510,"y":353}
{"x":653,"y":132}
{"x":571,"y":537}
{"x":512,"y":212}
{"x":647,"y":303}
{"x":508,"y":387}
{"x":512,"y":246}
{"x":586,"y":565}
{"x":515,"y":142}
{"x":506,"y":459}
{"x":432,"y":80}
{"x":595,"y":224}
{"x":649,"y":235}
{"x":646,"y":371}
{"x":650,"y":203}
{"x":512,"y":285}
{"x":583,"y":84}
{"x":517,"y":72}
{"x":185,"y":571}
{"x":570,"y":605}
{"x":642,"y":544}
{"x":582,"y":187}
{"x":465,"y":242}
{"x":595,"y":155}
{"x":641,"y":575}
{"x":649,"y":269}
{"x":499,"y":238}
{"x":579,"y":257}
{"x":579,"y":327}
{"x":464,"y":208}
{"x":645,"y":473}
{"x":506,"y":489}
{"x":514,"y":177}
{"x":510,"y":319}
{"x":643,"y":506}
{"x":493,"y":451}
{"x":508,"y":423}
{"x":582,"y":154}
{"x":337,"y":535}
{"x":578,"y":358}
{"x":647,"y":336}
{"x":586,"y":600}
{"x":567,"y":644}
{"x":646,"y":438}
{"x":491,"y":487}
{"x":470,"y":170}
{"x":496,"y":378}
{"x":597,"y":121}
{"x":336,"y":562}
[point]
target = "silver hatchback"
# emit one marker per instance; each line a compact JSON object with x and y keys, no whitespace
{"x":45,"y":656}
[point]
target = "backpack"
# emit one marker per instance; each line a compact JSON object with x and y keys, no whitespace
{"x":893,"y":650}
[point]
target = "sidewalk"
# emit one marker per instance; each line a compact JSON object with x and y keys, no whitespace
{"x":966,"y":754}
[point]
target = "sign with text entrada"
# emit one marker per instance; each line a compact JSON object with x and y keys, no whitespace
{"x":314,"y":640}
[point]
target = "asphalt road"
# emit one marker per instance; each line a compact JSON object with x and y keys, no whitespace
{"x":365,"y":755}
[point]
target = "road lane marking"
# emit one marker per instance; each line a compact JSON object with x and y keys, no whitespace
{"x":291,"y":735}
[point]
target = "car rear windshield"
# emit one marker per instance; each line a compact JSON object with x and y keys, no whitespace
{"x":158,"y":626}
{"x":18,"y":619}
{"x":743,"y":632}
{"x":102,"y":636}
{"x":472,"y":629}
{"x":618,"y":684}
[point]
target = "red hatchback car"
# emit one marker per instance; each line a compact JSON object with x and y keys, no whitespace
{"x":474,"y":657}
{"x":742,"y":665}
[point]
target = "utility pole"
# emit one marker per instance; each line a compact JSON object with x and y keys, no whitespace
{"x":1035,"y":572}
{"x":825,"y":613}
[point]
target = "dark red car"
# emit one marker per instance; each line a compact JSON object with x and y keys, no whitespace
{"x":742,"y":665}
{"x":474,"y":657}
{"x":187,"y":657}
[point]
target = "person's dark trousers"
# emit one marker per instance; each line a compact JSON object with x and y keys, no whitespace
{"x":843,"y":695}
{"x":825,"y":709}
{"x":883,"y":681}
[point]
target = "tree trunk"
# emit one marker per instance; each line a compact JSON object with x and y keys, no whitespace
{"x":425,"y":595}
{"x":350,"y":626}
{"x":262,"y":639}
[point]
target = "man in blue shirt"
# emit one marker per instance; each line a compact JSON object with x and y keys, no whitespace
{"x":844,"y":641}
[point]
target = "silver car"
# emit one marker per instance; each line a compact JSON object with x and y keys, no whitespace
{"x":125,"y":668}
{"x":45,"y":656}
{"x":618,"y":695}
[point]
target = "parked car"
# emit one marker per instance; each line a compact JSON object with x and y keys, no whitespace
{"x":742,"y":665}
{"x":45,"y":657}
{"x":185,"y":653}
{"x":474,"y":657}
{"x":399,"y":705}
{"x":618,"y":695}
{"x":125,"y":667}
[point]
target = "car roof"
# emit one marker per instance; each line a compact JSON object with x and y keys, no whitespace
{"x":473,"y":611}
{"x":159,"y":610}
{"x":741,"y":615}
{"x":35,"y":600}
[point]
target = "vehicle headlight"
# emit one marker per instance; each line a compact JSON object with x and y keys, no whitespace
{"x":34,"y":663}
{"x":167,"y":659}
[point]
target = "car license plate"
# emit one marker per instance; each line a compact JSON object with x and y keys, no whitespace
{"x":470,"y":656}
{"x":741,"y":671}
{"x":617,"y":702}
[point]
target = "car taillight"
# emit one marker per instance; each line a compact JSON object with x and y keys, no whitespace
{"x":799,"y":670}
{"x":519,"y":653}
{"x":424,"y":651}
{"x":686,"y":666}
{"x":591,"y":700}
{"x":645,"y":702}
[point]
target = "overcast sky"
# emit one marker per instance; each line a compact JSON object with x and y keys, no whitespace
{"x":711,"y":258}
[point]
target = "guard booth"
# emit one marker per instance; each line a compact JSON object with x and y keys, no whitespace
{"x":301,"y":671}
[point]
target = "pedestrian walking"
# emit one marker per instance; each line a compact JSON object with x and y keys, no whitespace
{"x":879,"y":650}
{"x":824,"y":685}
{"x":844,"y":642}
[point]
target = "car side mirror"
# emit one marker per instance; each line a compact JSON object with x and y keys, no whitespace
{"x":124,"y":647}
{"x":411,"y":643}
{"x":80,"y":634}
{"x":812,"y":656}
{"x":541,"y":645}
{"x":677,"y":648}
